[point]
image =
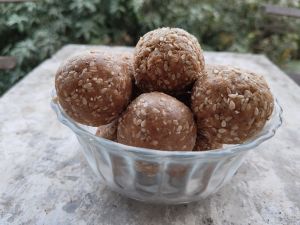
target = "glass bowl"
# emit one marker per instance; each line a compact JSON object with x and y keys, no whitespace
{"x":170,"y":177}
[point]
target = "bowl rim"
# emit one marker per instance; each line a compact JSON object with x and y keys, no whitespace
{"x":275,"y":119}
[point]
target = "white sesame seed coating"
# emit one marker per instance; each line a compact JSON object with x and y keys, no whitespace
{"x":167,"y":59}
{"x":158,"y":121}
{"x":94,"y":87}
{"x":231,"y":105}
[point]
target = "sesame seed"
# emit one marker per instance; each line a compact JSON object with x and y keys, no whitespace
{"x":201,"y":106}
{"x":179,"y":128}
{"x":166,"y":66}
{"x":236,"y":139}
{"x":228,"y":90}
{"x":221,"y":130}
{"x":155,"y":143}
{"x":188,"y":63}
{"x":250,"y":122}
{"x":205,"y":100}
{"x":216,"y":71}
{"x":156,"y":110}
{"x":223,"y":124}
{"x":265,"y":106}
{"x":93,"y":69}
{"x":116,"y":92}
{"x":228,"y":118}
{"x":99,"y":81}
{"x":143,"y":124}
{"x":103,"y":90}
{"x":87,"y":86}
{"x":244,"y":107}
{"x":231,"y":105}
{"x":232,"y":95}
{"x":84,"y":101}
{"x":74,"y":96}
{"x":135,"y":121}
{"x":247,"y":93}
{"x":84,"y":70}
{"x":256,"y":111}
{"x":214,"y":107}
{"x":233,"y":133}
{"x":259,"y":124}
{"x":248,"y":107}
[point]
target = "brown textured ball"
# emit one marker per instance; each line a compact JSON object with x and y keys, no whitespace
{"x":231,"y":105}
{"x":167,"y":60}
{"x":94,"y":87}
{"x":203,"y":144}
{"x":108,"y":131}
{"x":159,"y":121}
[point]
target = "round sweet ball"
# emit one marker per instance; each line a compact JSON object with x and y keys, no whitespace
{"x":93,"y":87}
{"x":158,"y":121}
{"x":204,"y":144}
{"x":167,"y":60}
{"x":231,"y":105}
{"x":108,"y":131}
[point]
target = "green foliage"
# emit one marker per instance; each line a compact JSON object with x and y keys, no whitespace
{"x":33,"y":31}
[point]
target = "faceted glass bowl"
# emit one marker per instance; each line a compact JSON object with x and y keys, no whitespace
{"x":170,"y":177}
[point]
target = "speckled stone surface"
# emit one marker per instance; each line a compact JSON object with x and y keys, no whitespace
{"x":44,"y":178}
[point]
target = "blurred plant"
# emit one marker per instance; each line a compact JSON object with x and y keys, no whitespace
{"x":33,"y":31}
